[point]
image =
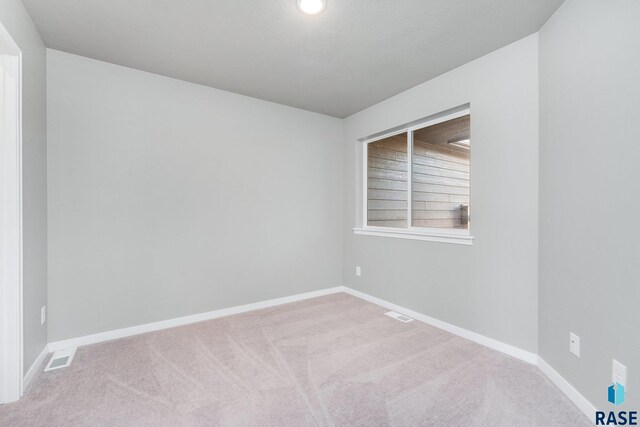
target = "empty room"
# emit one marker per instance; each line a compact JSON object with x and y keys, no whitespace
{"x":319,"y":213}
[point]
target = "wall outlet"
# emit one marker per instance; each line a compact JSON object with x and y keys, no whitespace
{"x":619,"y":374}
{"x":358,"y":271}
{"x":43,"y":314}
{"x":574,"y":344}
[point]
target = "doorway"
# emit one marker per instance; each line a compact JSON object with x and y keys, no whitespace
{"x":11,"y":364}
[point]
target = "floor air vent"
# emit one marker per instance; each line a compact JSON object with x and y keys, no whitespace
{"x":61,"y":359}
{"x":400,"y":317}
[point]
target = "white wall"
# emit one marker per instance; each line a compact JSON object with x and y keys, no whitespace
{"x":590,"y":193}
{"x":169,"y":198}
{"x":34,"y":173}
{"x":490,"y":287}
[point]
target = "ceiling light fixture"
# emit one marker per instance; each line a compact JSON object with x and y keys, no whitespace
{"x":311,"y":7}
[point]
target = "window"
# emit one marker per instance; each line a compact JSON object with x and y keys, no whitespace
{"x":434,"y":203}
{"x":387,"y":169}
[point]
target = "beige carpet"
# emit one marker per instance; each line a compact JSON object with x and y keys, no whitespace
{"x":334,"y":360}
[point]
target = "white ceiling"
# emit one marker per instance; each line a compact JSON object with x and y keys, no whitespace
{"x":353,"y":55}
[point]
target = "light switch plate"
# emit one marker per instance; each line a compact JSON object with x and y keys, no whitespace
{"x":358,"y":271}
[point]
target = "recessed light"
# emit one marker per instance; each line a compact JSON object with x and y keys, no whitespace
{"x":311,"y":7}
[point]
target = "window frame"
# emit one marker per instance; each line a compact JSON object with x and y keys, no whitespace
{"x":443,"y":235}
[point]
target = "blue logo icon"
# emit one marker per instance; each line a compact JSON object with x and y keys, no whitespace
{"x":616,"y":394}
{"x":616,"y":418}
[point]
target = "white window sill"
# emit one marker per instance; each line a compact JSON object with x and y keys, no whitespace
{"x":459,"y":237}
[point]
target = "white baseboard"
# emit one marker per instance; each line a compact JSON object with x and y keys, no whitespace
{"x":456,"y":330}
{"x":34,"y":369}
{"x":583,"y":404}
{"x":565,"y":387}
{"x":170,"y":323}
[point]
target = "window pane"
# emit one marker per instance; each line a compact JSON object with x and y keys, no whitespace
{"x":387,"y":182}
{"x":440,"y":168}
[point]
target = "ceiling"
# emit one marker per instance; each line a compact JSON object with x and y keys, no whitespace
{"x":353,"y":55}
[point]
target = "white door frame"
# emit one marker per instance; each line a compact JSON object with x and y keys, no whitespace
{"x":11,"y":363}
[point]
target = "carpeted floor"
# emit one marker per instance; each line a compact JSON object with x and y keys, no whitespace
{"x":332,"y":361}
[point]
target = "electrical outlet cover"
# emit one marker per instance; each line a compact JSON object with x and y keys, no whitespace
{"x":574,"y":344}
{"x":619,"y":374}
